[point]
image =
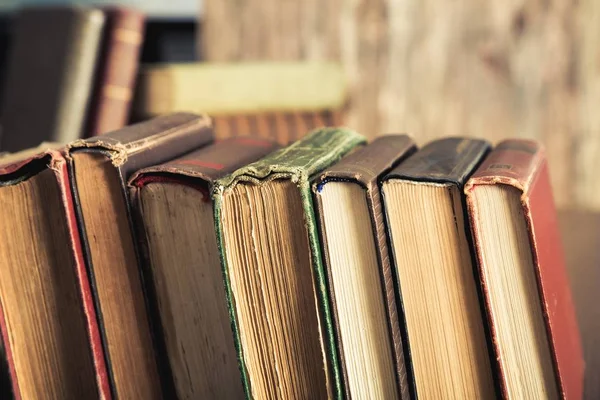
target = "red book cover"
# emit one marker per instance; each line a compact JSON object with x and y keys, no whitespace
{"x":116,"y":71}
{"x":522,"y":165}
{"x":11,"y":173}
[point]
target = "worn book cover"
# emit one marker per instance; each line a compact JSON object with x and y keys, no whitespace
{"x":100,"y":167}
{"x":50,"y":76}
{"x":426,"y":191}
{"x":177,"y":335}
{"x":365,"y":167}
{"x":236,"y":88}
{"x":116,"y":70}
{"x":522,"y":165}
{"x":296,"y":164}
{"x":62,"y":277}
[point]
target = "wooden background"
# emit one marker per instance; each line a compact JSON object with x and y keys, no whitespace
{"x":496,"y":69}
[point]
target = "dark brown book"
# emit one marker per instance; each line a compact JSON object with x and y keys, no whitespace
{"x":182,"y":270}
{"x":116,"y":70}
{"x":523,"y":275}
{"x":358,"y":269}
{"x":50,"y":337}
{"x":429,"y":236}
{"x":50,"y":75}
{"x":100,"y":167}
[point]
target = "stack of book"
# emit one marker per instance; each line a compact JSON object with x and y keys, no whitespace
{"x":156,"y":262}
{"x":71,"y":74}
{"x":74,"y":72}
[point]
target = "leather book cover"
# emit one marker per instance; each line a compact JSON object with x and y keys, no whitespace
{"x":116,"y":70}
{"x":447,"y":160}
{"x":15,"y":172}
{"x":130,"y":149}
{"x":50,"y":75}
{"x":198,"y":169}
{"x":365,"y":166}
{"x":147,"y":143}
{"x":299,"y":162}
{"x":444,"y":160}
{"x":522,"y":164}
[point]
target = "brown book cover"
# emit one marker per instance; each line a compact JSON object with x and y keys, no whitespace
{"x":365,"y":167}
{"x":197,"y":170}
{"x":50,"y":75}
{"x":284,"y":127}
{"x":116,"y":70}
{"x":440,"y":272}
{"x":522,"y":164}
{"x":100,"y":167}
{"x":77,"y":376}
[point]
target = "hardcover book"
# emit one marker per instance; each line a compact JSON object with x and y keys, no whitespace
{"x":100,"y":167}
{"x":438,"y":289}
{"x":116,"y":71}
{"x":49,"y":332}
{"x":239,"y":88}
{"x":358,"y":269}
{"x":50,"y":75}
{"x":174,"y":213}
{"x":271,"y":260}
{"x":525,"y":285}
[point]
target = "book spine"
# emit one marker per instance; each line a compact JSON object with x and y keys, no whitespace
{"x":60,"y":168}
{"x":522,"y":165}
{"x":78,"y":77}
{"x":117,"y":71}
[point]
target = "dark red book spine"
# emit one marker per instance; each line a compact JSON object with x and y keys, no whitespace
{"x":116,"y":72}
{"x":522,"y":165}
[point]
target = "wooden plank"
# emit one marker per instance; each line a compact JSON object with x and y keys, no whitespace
{"x":521,"y":68}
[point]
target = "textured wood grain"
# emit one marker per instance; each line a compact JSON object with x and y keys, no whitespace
{"x":525,"y":68}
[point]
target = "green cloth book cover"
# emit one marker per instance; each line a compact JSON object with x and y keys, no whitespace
{"x":299,"y":163}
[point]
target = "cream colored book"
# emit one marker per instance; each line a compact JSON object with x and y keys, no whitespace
{"x":225,"y":89}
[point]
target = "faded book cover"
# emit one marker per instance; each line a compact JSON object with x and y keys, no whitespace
{"x":197,"y":170}
{"x":522,"y":165}
{"x":365,"y":167}
{"x":16,"y":172}
{"x":116,"y":70}
{"x":297,"y":163}
{"x":50,"y":76}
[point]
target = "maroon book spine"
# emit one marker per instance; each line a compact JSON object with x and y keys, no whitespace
{"x":522,"y":164}
{"x":116,"y":72}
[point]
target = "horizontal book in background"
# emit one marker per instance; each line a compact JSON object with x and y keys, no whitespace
{"x":429,"y":234}
{"x":181,"y":262}
{"x":523,"y":275}
{"x":48,"y":321}
{"x":239,"y":88}
{"x":267,"y":235}
{"x":358,"y":269}
{"x":100,"y":167}
{"x":50,"y":75}
{"x":116,"y":70}
{"x":282,"y":127}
